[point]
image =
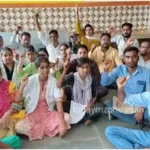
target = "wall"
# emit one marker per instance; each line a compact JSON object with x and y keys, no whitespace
{"x":100,"y":15}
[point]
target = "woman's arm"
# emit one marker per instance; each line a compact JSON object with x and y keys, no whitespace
{"x":78,"y":24}
{"x":24,"y":82}
{"x":62,"y":77}
{"x":19,"y":96}
{"x":21,"y":63}
{"x":62,"y":123}
{"x":5,"y":119}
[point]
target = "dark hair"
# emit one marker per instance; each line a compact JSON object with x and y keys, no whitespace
{"x":105,"y":34}
{"x":83,"y":46}
{"x":131,"y":49}
{"x":88,"y":25}
{"x":6,"y":49}
{"x":53,"y":31}
{"x":26,"y":34}
{"x":40,"y":59}
{"x":64,"y":45}
{"x":30,"y":48}
{"x":43,"y":50}
{"x":82,"y":61}
{"x":0,"y":71}
{"x":130,"y":25}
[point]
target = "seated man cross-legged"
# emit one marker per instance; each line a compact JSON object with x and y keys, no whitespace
{"x":137,"y":83}
{"x":124,"y":138}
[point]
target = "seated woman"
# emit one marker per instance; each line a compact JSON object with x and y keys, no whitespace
{"x":10,"y":112}
{"x":87,"y":37}
{"x":83,"y":53}
{"x":30,"y":55}
{"x":9,"y":66}
{"x":83,"y":92}
{"x":66,"y":55}
{"x":42,"y":94}
{"x":30,"y":69}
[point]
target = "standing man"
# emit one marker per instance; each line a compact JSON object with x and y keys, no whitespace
{"x":52,"y":44}
{"x":137,"y":83}
{"x":125,"y":40}
{"x":20,"y":47}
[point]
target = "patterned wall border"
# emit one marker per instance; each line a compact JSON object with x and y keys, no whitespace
{"x":70,"y":4}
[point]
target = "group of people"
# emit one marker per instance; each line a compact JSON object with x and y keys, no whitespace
{"x":44,"y":92}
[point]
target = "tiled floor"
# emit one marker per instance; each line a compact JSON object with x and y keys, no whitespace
{"x":80,"y":136}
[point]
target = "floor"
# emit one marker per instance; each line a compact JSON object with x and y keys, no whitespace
{"x":80,"y":136}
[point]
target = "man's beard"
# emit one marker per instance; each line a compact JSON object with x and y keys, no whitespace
{"x":105,"y":46}
{"x":126,"y":36}
{"x":143,"y":54}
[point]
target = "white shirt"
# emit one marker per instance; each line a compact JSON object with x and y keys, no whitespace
{"x":119,"y":40}
{"x":143,"y":63}
{"x":20,"y":49}
{"x":32,"y":92}
{"x":53,"y":52}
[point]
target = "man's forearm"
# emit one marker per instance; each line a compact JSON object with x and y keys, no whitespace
{"x":121,"y":94}
{"x":37,"y":24}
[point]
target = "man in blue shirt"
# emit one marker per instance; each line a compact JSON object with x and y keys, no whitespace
{"x":137,"y":83}
{"x":124,"y":138}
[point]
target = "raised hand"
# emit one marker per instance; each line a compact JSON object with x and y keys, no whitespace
{"x":121,"y":82}
{"x":18,"y":29}
{"x":130,"y":42}
{"x":22,"y":56}
{"x":66,"y":65}
{"x":111,"y":29}
{"x":68,"y":51}
{"x":76,"y":9}
{"x":37,"y":16}
{"x":24,"y":80}
{"x":106,"y":65}
{"x":93,"y":46}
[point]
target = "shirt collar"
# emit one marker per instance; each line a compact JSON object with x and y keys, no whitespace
{"x":110,"y":48}
{"x":136,"y":71}
{"x":141,"y":59}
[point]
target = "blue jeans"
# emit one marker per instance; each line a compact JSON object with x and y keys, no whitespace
{"x":124,"y":138}
{"x":129,"y":118}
